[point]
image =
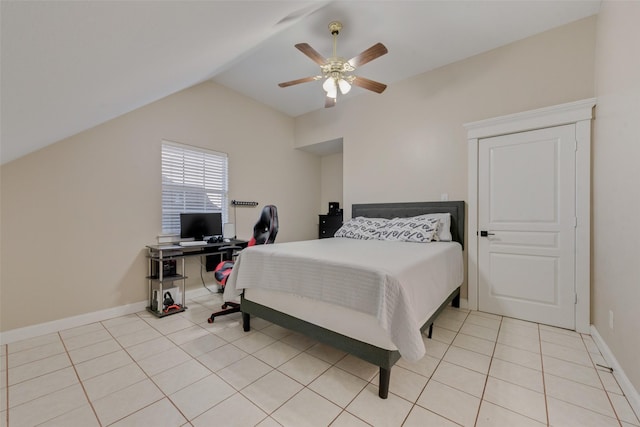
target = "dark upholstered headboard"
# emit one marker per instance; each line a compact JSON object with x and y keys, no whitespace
{"x":403,"y":210}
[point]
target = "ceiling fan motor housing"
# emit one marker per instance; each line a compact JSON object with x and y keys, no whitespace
{"x":336,"y":69}
{"x":336,"y":66}
{"x":335,"y":27}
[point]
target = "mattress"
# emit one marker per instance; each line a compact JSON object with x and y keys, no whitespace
{"x":394,"y":286}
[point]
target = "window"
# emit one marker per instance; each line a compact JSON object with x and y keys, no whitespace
{"x":193,"y":180}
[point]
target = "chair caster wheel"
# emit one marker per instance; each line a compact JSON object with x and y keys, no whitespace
{"x":210,"y":319}
{"x":224,"y":306}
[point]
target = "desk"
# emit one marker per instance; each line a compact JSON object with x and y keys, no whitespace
{"x":166,"y":268}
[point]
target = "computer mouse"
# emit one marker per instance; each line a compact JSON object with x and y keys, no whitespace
{"x":227,"y":240}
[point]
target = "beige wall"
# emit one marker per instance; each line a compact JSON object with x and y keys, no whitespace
{"x":616,"y":205}
{"x":77,"y":215}
{"x":331,"y":168}
{"x":409,"y":143}
{"x":96,"y":196}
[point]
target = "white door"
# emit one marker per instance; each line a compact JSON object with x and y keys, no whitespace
{"x":527,"y":219}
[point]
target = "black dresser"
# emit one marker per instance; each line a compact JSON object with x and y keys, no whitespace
{"x":328,"y":225}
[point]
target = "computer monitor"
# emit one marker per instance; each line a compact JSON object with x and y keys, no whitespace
{"x":201,"y":225}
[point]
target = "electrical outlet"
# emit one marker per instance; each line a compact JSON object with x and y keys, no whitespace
{"x":610,"y":319}
{"x":444,"y":197}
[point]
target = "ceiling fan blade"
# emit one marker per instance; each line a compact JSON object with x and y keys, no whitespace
{"x":311,"y":53}
{"x":369,"y":84}
{"x":297,"y":82}
{"x":368,"y":55}
{"x":329,"y":102}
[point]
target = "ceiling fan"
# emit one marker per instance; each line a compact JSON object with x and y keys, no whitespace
{"x":336,"y":71}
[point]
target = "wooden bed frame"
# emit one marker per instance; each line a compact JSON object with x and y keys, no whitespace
{"x":381,"y":357}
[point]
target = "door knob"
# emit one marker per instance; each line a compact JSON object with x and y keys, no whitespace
{"x":485,"y":233}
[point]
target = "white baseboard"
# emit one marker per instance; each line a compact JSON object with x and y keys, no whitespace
{"x":628,"y":389}
{"x":81,"y":320}
{"x":69,"y":322}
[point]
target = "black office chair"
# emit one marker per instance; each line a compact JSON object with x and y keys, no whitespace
{"x":264,"y":232}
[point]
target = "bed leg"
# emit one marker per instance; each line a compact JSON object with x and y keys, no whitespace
{"x":455,"y":302}
{"x":385,"y":376}
{"x":430,"y":331}
{"x":246,"y":322}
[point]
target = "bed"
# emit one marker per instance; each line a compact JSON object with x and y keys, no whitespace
{"x":348,"y":294}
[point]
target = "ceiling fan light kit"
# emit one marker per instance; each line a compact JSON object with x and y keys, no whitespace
{"x":336,"y":70}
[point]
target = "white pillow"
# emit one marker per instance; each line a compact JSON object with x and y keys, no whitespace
{"x":444,"y":229}
{"x":362,"y":228}
{"x":420,"y":229}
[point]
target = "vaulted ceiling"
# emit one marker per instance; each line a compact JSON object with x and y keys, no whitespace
{"x":67,"y":66}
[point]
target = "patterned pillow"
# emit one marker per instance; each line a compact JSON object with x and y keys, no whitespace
{"x":444,"y":229}
{"x":362,"y":228}
{"x":420,"y":229}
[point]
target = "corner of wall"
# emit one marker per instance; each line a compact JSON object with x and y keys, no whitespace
{"x":627,"y":387}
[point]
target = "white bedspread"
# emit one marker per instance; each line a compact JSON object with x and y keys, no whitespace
{"x":399,"y":283}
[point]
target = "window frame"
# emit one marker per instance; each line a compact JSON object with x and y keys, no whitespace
{"x":197,"y":179}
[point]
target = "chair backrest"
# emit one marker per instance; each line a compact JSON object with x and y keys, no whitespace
{"x":266,"y":229}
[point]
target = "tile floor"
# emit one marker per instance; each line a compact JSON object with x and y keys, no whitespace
{"x":137,"y":370}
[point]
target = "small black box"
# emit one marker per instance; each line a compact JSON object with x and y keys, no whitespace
{"x":168,"y":268}
{"x":334,"y":208}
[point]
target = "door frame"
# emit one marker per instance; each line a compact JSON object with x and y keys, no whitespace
{"x":579,"y":113}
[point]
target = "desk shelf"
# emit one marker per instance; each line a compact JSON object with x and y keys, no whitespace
{"x":168,"y":278}
{"x":167,"y":271}
{"x":168,"y":313}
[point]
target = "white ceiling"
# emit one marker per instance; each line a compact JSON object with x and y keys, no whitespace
{"x":67,"y":66}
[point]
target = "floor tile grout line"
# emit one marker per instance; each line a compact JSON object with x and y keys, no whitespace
{"x":93,"y":409}
{"x":306,"y":386}
{"x":486,"y":379}
{"x":35,"y":377}
{"x":159,"y":388}
{"x":593,"y":366}
{"x":269,"y":415}
{"x":589,"y":410}
{"x":518,"y":348}
{"x":192,"y":358}
{"x":140,"y":409}
{"x":540,"y":341}
{"x":212,"y":373}
{"x":544,"y":381}
{"x":580,"y":383}
{"x":613,"y":407}
{"x":576,"y":382}
{"x":68,"y":352}
{"x":369,"y":382}
{"x":151,"y":379}
{"x":125,"y":350}
{"x":115,"y":339}
{"x":503,"y":407}
{"x":134,"y":361}
{"x":433,"y":372}
{"x":35,"y":360}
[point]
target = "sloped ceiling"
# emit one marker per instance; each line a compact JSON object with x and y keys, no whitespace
{"x":67,"y":66}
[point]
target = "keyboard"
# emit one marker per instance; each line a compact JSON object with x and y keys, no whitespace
{"x":193,"y":243}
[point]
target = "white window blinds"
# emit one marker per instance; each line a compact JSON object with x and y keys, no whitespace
{"x":193,"y":180}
